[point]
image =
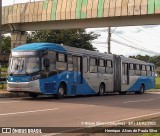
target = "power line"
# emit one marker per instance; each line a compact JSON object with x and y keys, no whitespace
{"x":136,"y":44}
{"x":133,"y":39}
{"x":99,"y":42}
{"x":131,"y":46}
{"x":151,"y":29}
{"x":113,"y":30}
{"x":149,"y":32}
{"x":121,"y":43}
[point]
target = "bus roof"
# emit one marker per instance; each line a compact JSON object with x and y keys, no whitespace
{"x":61,"y":48}
{"x":83,"y":52}
{"x":72,"y":50}
{"x":39,"y":46}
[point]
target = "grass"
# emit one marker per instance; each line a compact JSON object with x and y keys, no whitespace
{"x":158,"y":83}
{"x":157,"y":120}
{"x":151,"y":134}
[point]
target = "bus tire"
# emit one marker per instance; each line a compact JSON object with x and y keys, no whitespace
{"x":33,"y":95}
{"x":61,"y":91}
{"x":101,"y":89}
{"x":141,"y":91}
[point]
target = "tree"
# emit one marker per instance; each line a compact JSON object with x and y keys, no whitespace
{"x":155,"y":59}
{"x":145,"y":58}
{"x":6,"y":44}
{"x":71,"y":37}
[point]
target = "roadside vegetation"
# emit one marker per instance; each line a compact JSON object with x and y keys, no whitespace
{"x":157,"y":120}
{"x":3,"y":75}
{"x":158,"y":83}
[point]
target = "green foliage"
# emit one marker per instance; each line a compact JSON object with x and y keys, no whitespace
{"x":145,"y":58}
{"x":3,"y":86}
{"x":6,"y":44}
{"x":155,"y":59}
{"x":157,"y":82}
{"x":150,"y":134}
{"x":70,"y":37}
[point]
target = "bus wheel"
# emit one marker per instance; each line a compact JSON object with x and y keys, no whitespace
{"x":141,"y":91}
{"x":61,"y":91}
{"x":101,"y":90}
{"x":33,"y":95}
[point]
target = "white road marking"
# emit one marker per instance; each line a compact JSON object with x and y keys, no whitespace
{"x":52,"y":134}
{"x":24,"y":112}
{"x":140,"y":101}
{"x":5,"y":102}
{"x":136,"y":117}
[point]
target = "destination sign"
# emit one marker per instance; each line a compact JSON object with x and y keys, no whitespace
{"x":28,"y":53}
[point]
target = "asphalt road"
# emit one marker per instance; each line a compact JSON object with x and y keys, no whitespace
{"x":76,"y":111}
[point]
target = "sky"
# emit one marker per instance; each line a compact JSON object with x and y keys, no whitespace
{"x":144,"y":40}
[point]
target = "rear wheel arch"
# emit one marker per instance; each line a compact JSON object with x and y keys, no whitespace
{"x":64,"y":84}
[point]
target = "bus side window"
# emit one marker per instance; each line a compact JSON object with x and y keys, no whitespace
{"x":143,"y":70}
{"x":52,"y":58}
{"x":153,"y":70}
{"x":61,"y":63}
{"x":101,"y":66}
{"x":70,"y":62}
{"x":93,"y":65}
{"x":131,"y":69}
{"x":48,"y":64}
{"x":149,"y":71}
{"x":138,"y":72}
{"x":85,"y":64}
{"x":109,"y":67}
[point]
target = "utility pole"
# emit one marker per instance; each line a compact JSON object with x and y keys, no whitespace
{"x":0,"y":26}
{"x":109,"y":40}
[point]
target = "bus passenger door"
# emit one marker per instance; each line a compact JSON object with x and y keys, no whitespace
{"x":125,"y":74}
{"x":117,"y":73}
{"x":77,"y":79}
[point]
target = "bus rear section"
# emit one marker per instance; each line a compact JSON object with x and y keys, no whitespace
{"x":136,"y":76}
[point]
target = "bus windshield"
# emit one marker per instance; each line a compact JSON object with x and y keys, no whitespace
{"x":23,"y":65}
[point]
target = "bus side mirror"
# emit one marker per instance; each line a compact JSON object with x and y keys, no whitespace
{"x":46,"y":62}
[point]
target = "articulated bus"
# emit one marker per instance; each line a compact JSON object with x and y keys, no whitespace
{"x":48,"y":68}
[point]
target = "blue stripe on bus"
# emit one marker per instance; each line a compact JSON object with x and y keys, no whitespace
{"x":57,"y":79}
{"x":145,"y":80}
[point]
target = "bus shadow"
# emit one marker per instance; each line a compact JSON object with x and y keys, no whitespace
{"x":131,"y":100}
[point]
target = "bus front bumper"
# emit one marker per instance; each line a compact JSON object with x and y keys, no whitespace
{"x":32,"y":86}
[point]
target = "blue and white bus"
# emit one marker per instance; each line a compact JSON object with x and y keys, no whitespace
{"x":48,"y":68}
